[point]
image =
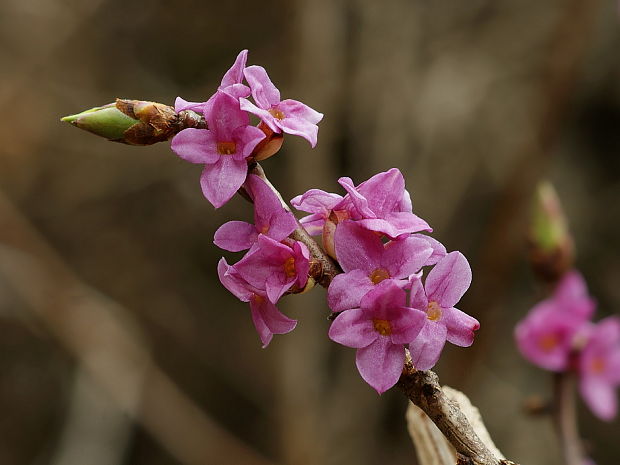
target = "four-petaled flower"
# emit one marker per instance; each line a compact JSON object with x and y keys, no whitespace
{"x":288,"y":115}
{"x":223,"y":148}
{"x":444,"y":286}
{"x":378,"y":330}
{"x":267,"y":319}
{"x":546,"y":337}
{"x":270,"y":219}
{"x":367,"y":261}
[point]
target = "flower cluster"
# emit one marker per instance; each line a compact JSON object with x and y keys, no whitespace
{"x":230,"y":141}
{"x":382,"y":303}
{"x":558,"y":335}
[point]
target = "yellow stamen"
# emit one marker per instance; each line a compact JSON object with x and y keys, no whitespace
{"x":226,"y":148}
{"x":548,"y":342}
{"x":597,"y":366}
{"x":383,"y":327}
{"x":289,"y":267}
{"x":278,"y":114}
{"x":433,"y":311}
{"x":379,"y":275}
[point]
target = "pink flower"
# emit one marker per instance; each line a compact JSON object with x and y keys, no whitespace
{"x":266,"y":317}
{"x":378,"y":330}
{"x":599,"y":368}
{"x":379,"y":204}
{"x":223,"y":148}
{"x":290,"y":116}
{"x":270,"y":219}
{"x":231,"y":84}
{"x":367,"y":261}
{"x":546,"y":336}
{"x":444,"y":286}
{"x":275,"y":267}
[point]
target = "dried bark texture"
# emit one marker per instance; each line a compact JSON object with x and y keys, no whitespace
{"x":431,"y":445}
{"x":424,"y":390}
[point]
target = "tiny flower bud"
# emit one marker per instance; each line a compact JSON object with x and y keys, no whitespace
{"x":551,"y":246}
{"x":135,"y":122}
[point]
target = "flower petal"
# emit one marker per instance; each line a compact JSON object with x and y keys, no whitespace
{"x":264,"y":115}
{"x":396,"y":224}
{"x":357,"y":248}
{"x":316,"y":201}
{"x":417,"y":297}
{"x":381,"y":363}
{"x":439,"y":250}
{"x":347,"y":289}
{"x":196,"y":146}
{"x":246,"y":138}
{"x":231,"y":281}
{"x":264,"y":92}
{"x":599,"y":396}
{"x":299,"y":127}
{"x":222,"y":179}
{"x":298,"y":110}
{"x":448,"y":280}
{"x":226,"y":116}
{"x":426,"y":348}
{"x":402,"y":258}
{"x":352,"y":328}
{"x":235,"y":236}
{"x":384,"y":191}
{"x":182,"y":104}
{"x":313,"y":224}
{"x":235,"y":74}
{"x":460,"y":326}
{"x":406,"y":324}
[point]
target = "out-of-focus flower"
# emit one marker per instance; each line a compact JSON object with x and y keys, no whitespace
{"x":599,"y":368}
{"x":275,"y":267}
{"x":444,"y":286}
{"x":290,"y":116}
{"x":367,"y":261}
{"x":223,"y":148}
{"x":232,"y":84}
{"x":267,"y":319}
{"x":270,"y":219}
{"x":378,"y":330}
{"x":546,"y":337}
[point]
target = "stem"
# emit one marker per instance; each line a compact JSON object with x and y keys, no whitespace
{"x":565,"y":418}
{"x":324,"y":269}
{"x":424,"y":390}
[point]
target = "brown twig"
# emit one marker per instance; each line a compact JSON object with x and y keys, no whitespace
{"x":565,"y":418}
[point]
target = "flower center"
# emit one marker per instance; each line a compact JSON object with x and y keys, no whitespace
{"x":433,"y":311}
{"x":383,"y":327}
{"x":548,"y":342}
{"x":264,"y":229}
{"x":258,"y":299}
{"x":597,"y":366}
{"x":277,"y":114}
{"x":289,"y":267}
{"x":226,"y":148}
{"x":379,"y":275}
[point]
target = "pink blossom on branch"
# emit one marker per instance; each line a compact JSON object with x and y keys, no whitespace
{"x":223,"y":148}
{"x":380,"y":204}
{"x":546,"y":336}
{"x":599,"y":368}
{"x":267,"y":319}
{"x":275,"y":267}
{"x":367,"y":261}
{"x":290,"y":116}
{"x":378,"y":330}
{"x":270,"y":219}
{"x":444,"y":286}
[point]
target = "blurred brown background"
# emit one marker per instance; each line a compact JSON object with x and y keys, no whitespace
{"x":117,"y":343}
